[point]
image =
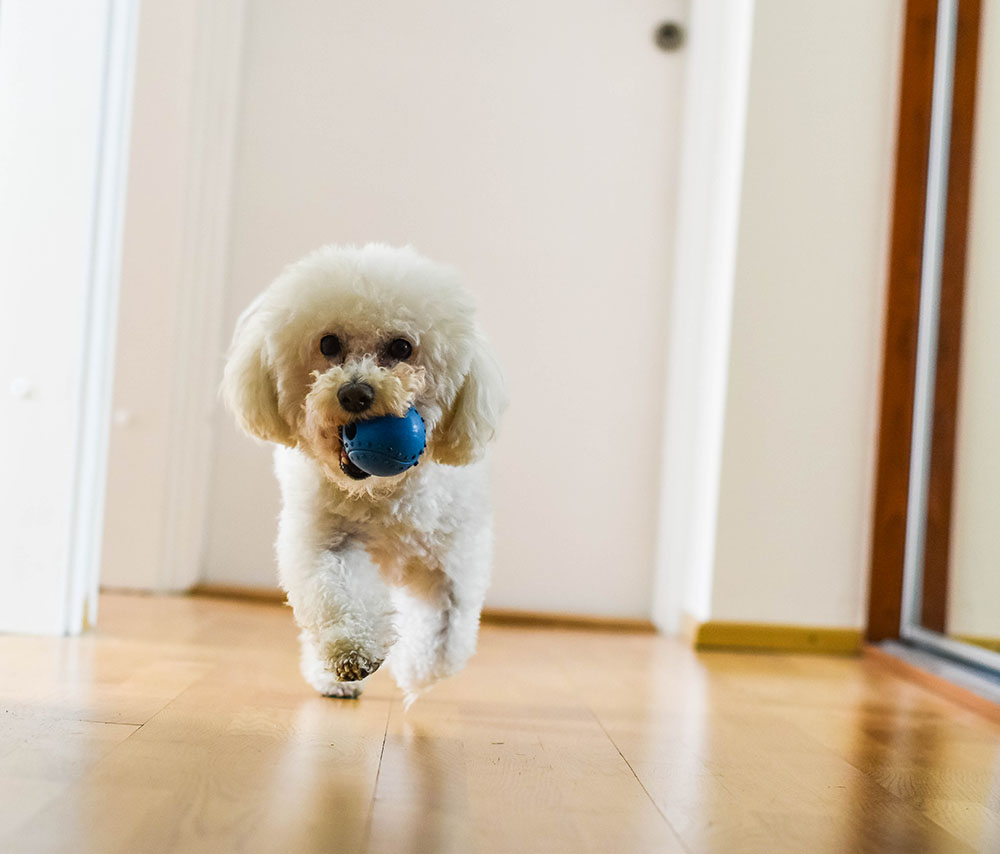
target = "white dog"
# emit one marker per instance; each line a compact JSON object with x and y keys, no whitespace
{"x":374,"y":567}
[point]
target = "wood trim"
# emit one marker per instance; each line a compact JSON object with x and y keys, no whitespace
{"x":902,"y":310}
{"x":495,"y":616}
{"x":709,"y":635}
{"x":902,"y":314}
{"x":934,"y":607}
{"x":932,"y":681}
{"x":546,"y":619}
{"x":716,"y":634}
{"x":274,"y":595}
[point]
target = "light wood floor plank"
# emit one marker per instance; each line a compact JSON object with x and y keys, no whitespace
{"x":224,"y":768}
{"x":498,"y":777}
{"x":182,"y":725}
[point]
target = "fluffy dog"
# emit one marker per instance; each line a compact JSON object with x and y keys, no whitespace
{"x":374,"y":567}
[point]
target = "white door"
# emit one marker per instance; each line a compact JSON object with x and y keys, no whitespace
{"x":534,"y":145}
{"x":65,"y":89}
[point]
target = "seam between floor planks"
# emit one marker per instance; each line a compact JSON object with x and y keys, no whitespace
{"x":642,"y":785}
{"x":378,"y":773}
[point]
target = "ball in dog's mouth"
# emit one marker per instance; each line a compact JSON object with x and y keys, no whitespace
{"x":346,"y":466}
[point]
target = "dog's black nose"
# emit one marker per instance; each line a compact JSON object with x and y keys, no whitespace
{"x":356,"y":396}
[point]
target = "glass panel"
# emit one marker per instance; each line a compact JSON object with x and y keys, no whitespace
{"x":973,"y":594}
{"x":952,"y":573}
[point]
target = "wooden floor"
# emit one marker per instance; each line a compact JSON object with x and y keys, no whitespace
{"x":182,"y":725}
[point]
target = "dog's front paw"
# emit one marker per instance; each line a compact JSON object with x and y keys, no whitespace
{"x":352,"y":666}
{"x":326,"y":682}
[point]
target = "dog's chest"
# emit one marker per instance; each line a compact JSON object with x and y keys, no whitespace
{"x":399,"y":531}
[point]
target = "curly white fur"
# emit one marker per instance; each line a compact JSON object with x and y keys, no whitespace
{"x":378,"y":568}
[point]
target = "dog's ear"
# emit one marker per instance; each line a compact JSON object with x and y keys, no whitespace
{"x":249,"y":385}
{"x":461,"y":435}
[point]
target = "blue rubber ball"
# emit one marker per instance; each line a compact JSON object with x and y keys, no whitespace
{"x":387,"y":445}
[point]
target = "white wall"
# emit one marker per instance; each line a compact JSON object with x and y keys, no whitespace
{"x":173,"y":281}
{"x":974,"y":579}
{"x":534,"y":146}
{"x":801,"y":410}
{"x":505,"y":141}
{"x":795,"y":483}
{"x":151,"y":267}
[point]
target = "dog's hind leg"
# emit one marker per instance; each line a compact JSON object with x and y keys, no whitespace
{"x":437,"y":635}
{"x":437,"y":615}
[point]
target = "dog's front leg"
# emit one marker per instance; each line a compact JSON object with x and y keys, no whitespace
{"x":343,"y":608}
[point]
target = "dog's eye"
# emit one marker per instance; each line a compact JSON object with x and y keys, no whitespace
{"x":400,"y":349}
{"x":329,"y":345}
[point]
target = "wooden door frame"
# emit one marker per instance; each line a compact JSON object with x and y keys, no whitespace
{"x":902,"y":315}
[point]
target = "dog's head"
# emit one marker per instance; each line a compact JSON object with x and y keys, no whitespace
{"x":353,"y":333}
